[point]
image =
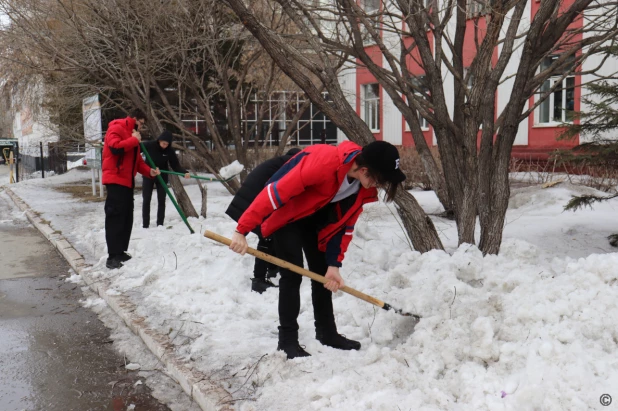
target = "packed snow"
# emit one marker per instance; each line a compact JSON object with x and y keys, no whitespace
{"x":231,"y":169}
{"x":531,"y":328}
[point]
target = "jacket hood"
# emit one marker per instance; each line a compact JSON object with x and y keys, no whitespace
{"x":127,"y":123}
{"x":348,"y":151}
{"x":166,"y":136}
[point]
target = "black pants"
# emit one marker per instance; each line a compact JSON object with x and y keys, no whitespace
{"x":290,"y":243}
{"x":147,"y":188}
{"x":119,"y":206}
{"x":261,"y":267}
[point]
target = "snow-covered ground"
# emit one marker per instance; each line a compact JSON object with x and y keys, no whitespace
{"x":532,"y":328}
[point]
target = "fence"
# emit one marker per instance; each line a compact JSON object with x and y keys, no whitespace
{"x":34,"y":163}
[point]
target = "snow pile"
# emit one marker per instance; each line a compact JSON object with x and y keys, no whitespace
{"x":91,"y":302}
{"x":231,"y":169}
{"x":531,"y":328}
{"x":77,"y":163}
{"x":39,"y":174}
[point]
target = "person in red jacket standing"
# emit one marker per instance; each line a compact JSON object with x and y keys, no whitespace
{"x":121,"y":162}
{"x":311,"y":205}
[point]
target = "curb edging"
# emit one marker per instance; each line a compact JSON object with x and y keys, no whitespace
{"x":208,"y":396}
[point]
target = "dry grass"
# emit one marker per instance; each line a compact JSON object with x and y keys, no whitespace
{"x":601,"y":177}
{"x":80,"y":191}
{"x":83,"y":192}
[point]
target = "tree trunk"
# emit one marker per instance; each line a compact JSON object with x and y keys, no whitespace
{"x":495,"y":192}
{"x":183,"y":200}
{"x":418,"y":225}
{"x":204,"y":191}
{"x":460,"y":176}
{"x":492,"y":224}
{"x":466,"y":217}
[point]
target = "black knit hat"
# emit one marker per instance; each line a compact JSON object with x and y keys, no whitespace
{"x":383,"y":158}
{"x":166,"y":136}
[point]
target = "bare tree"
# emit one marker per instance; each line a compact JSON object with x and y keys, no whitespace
{"x":175,"y":61}
{"x":427,"y":38}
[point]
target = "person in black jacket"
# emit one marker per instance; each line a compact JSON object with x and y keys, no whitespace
{"x":162,"y":154}
{"x":251,"y":187}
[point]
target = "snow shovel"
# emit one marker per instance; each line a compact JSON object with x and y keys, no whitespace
{"x":167,"y":190}
{"x":319,"y":278}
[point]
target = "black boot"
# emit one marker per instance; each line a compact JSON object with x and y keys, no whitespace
{"x":259,"y":285}
{"x":293,"y":350}
{"x":124,"y":257}
{"x":288,"y":343}
{"x":336,"y":340}
{"x":113,"y":263}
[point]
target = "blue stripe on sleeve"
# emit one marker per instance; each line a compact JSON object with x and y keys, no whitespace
{"x":279,"y":202}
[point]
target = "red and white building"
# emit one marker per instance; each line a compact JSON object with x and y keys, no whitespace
{"x":537,"y":135}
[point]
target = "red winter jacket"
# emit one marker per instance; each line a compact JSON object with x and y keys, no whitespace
{"x":121,"y":154}
{"x":304,"y":185}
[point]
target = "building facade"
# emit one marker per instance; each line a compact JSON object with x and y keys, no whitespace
{"x":537,"y":136}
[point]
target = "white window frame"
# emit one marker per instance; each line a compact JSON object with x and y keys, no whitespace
{"x":370,"y":10}
{"x":273,"y":114}
{"x":476,"y":8}
{"x":370,"y":107}
{"x":194,"y":121}
{"x":550,"y":102}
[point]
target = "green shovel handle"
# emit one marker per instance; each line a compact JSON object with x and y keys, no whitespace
{"x":198,"y":177}
{"x":164,"y":185}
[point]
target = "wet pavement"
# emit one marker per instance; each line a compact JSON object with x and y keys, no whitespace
{"x":54,"y":353}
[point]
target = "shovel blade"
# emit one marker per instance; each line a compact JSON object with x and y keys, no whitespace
{"x":399,"y":311}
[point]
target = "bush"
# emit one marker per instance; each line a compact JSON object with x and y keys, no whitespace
{"x":413,"y":168}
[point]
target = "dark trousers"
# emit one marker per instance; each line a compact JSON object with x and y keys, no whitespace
{"x":119,"y":206}
{"x":147,"y":188}
{"x":290,"y":243}
{"x":261,"y":267}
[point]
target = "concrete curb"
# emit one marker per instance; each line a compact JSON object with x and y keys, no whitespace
{"x":209,"y":396}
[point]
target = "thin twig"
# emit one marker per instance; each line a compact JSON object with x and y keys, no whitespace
{"x":253,"y":371}
{"x":453,"y":302}
{"x":371,"y":325}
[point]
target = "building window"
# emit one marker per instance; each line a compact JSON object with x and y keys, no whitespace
{"x":313,"y":126}
{"x":559,"y":106}
{"x":370,"y":106}
{"x":476,"y":8}
{"x":370,"y":7}
{"x":423,"y":92}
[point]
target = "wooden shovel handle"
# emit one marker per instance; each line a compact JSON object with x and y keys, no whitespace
{"x":298,"y":270}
